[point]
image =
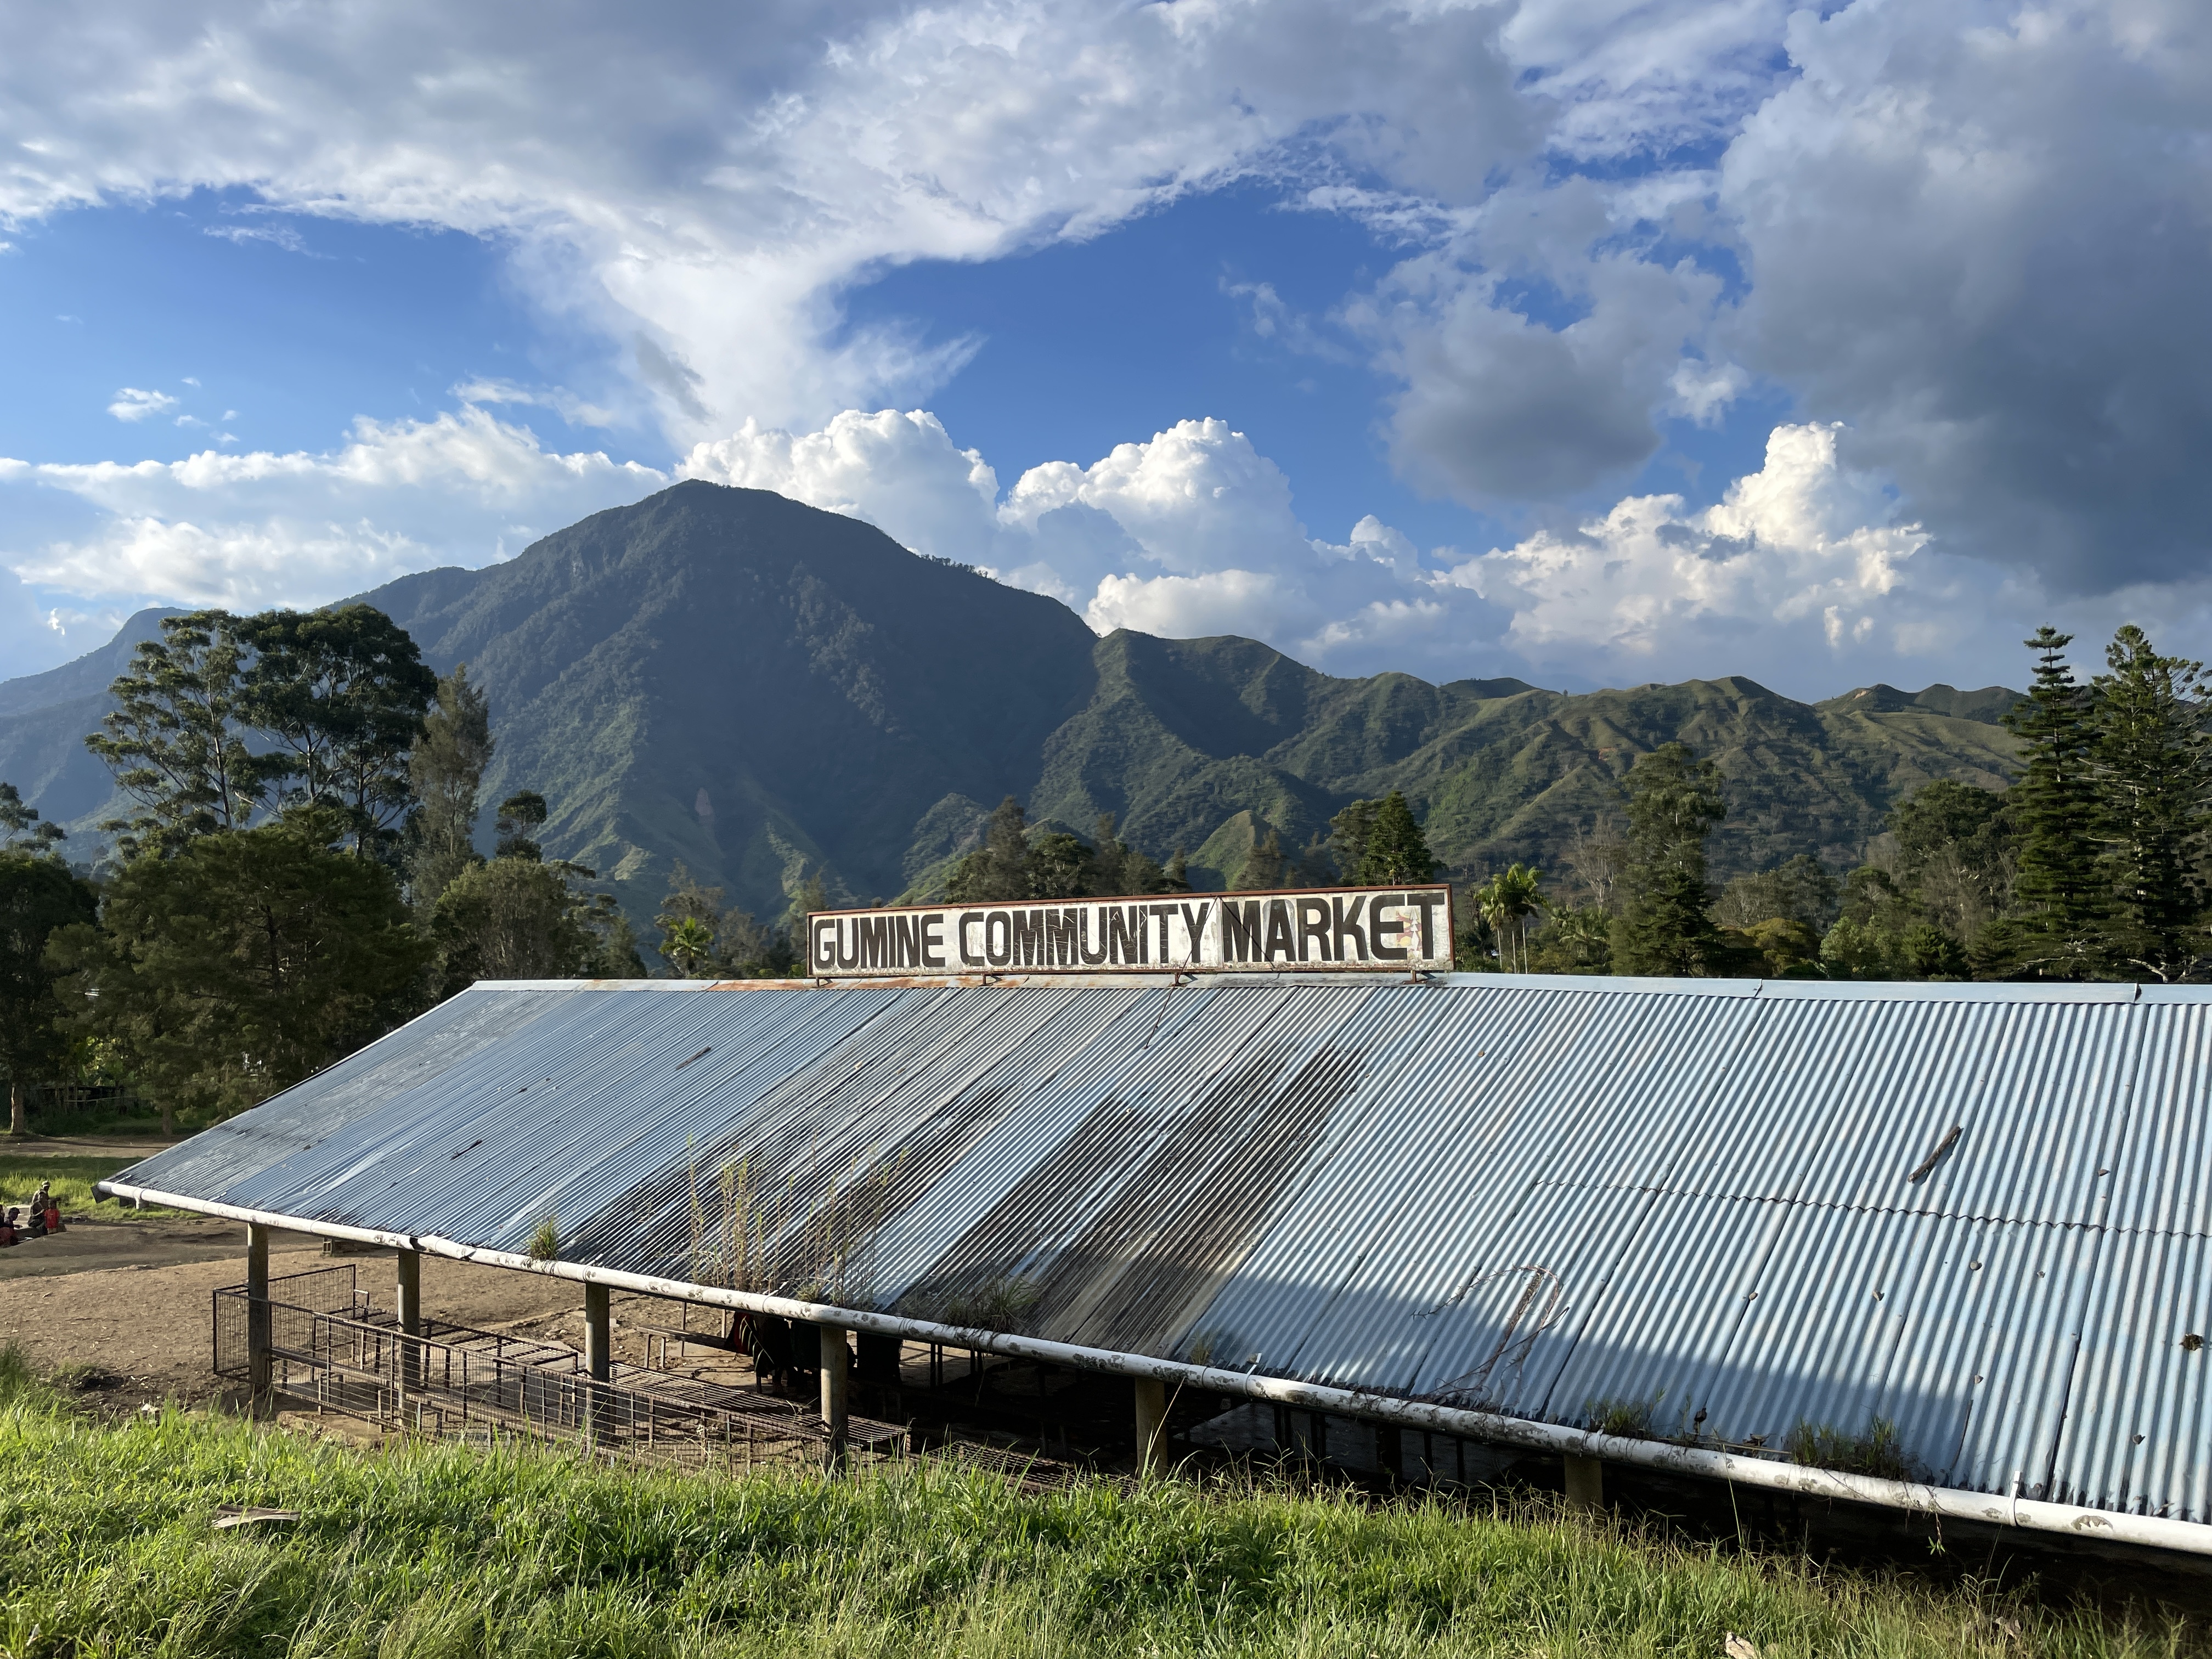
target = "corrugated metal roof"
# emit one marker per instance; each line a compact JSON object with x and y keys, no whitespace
{"x":1740,"y":1207}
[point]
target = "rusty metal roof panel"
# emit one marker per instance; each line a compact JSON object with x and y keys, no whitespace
{"x":1152,"y":1183}
{"x":1551,"y":1197}
{"x":1518,"y":1082}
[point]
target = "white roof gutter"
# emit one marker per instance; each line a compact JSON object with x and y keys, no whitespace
{"x":1953,"y":1503}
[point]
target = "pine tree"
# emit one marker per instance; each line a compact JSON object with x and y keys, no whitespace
{"x":998,"y":870}
{"x":2061,"y":907}
{"x":445,"y":770}
{"x":1395,"y":851}
{"x":1267,"y":868}
{"x":1059,"y":866}
{"x":1107,"y":857}
{"x":1348,"y":832}
{"x":1667,"y":928}
{"x":2152,"y":762}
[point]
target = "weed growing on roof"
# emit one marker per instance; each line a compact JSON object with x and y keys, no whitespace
{"x":545,"y":1242}
{"x":1625,"y":1420}
{"x":1001,"y":1304}
{"x":434,"y":1548}
{"x":1876,"y":1452}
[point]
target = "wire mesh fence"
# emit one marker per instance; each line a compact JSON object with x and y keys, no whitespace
{"x":330,"y":1345}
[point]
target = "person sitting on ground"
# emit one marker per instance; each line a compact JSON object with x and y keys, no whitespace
{"x":7,"y":1228}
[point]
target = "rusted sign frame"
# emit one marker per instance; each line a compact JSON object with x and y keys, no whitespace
{"x":907,"y":941}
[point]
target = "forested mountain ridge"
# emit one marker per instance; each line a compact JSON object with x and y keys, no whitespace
{"x":766,"y":691}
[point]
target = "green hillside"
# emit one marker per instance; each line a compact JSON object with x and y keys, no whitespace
{"x":761,"y":689}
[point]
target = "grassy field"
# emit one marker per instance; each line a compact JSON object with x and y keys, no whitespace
{"x":72,"y":1178}
{"x":106,"y":1547}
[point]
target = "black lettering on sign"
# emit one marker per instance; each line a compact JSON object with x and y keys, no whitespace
{"x":848,"y":957}
{"x":968,"y":920}
{"x":1164,"y":912}
{"x":1387,"y":928}
{"x":1125,"y":933}
{"x":821,"y":950}
{"x":875,"y":942}
{"x":1240,"y":930}
{"x":1059,"y":937}
{"x":1430,"y":904}
{"x":1084,"y":916}
{"x":997,"y":937}
{"x":933,"y":939}
{"x":1193,"y":921}
{"x":908,"y":952}
{"x":1029,"y":938}
{"x":1347,"y":928}
{"x":1279,"y":931}
{"x":1313,"y":924}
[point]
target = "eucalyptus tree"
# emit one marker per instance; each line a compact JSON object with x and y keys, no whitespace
{"x":176,"y":739}
{"x":340,"y":696}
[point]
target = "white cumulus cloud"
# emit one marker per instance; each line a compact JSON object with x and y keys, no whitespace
{"x":252,"y":529}
{"x":1189,"y":533}
{"x":133,"y":404}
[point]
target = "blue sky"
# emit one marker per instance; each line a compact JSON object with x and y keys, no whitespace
{"x":1591,"y":341}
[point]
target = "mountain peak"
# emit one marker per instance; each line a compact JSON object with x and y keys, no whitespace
{"x":767,"y":692}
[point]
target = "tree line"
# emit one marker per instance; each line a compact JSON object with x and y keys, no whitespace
{"x":296,"y":873}
{"x":1369,"y":842}
{"x":2095,"y":863}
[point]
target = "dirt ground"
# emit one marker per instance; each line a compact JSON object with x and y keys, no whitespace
{"x":132,"y":1298}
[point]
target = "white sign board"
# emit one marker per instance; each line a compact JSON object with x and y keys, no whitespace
{"x":1362,"y":929}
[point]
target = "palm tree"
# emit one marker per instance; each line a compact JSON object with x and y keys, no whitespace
{"x":1507,"y":901}
{"x":690,"y":943}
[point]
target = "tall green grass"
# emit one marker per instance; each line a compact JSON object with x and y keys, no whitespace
{"x":71,"y":1179}
{"x":435,"y":1550}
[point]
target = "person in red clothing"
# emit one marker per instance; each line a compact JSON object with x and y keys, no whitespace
{"x":7,"y":1228}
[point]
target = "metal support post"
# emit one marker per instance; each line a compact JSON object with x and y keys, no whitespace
{"x":834,"y":1359}
{"x":1585,"y":1484}
{"x":1151,"y":1425}
{"x":599,"y":1333}
{"x":599,"y":1351}
{"x":260,"y":1325}
{"x":408,"y":1292}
